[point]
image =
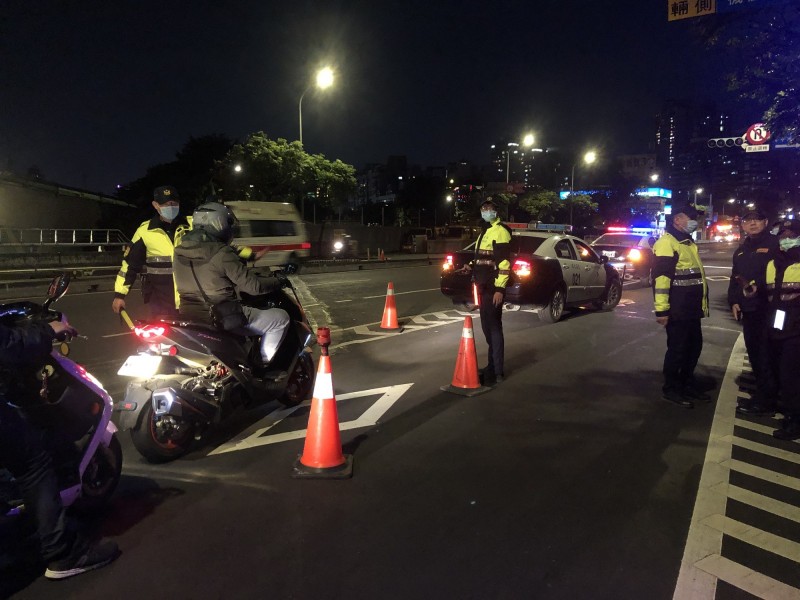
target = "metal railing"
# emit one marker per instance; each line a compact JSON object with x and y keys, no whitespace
{"x":63,"y":237}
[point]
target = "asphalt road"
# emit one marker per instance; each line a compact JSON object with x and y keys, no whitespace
{"x":572,"y":479}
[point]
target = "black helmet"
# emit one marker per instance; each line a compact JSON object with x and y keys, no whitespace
{"x":216,"y":219}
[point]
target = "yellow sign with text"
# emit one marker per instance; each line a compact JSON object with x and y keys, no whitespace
{"x":686,"y":9}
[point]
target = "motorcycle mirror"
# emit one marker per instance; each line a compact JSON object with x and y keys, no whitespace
{"x":58,"y":287}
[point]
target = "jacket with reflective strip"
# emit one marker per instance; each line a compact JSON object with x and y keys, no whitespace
{"x":680,"y":290}
{"x":491,"y":256}
{"x":787,"y":298}
{"x":151,"y":250}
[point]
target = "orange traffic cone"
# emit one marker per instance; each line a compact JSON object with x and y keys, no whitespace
{"x":382,"y":256}
{"x":465,"y":377}
{"x":322,"y":456}
{"x":389,"y":320}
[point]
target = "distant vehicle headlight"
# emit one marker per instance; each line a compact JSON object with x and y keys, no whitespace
{"x":338,"y":245}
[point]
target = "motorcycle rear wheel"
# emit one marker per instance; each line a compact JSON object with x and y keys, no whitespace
{"x":156,"y":446}
{"x":301,"y":382}
{"x":101,"y":476}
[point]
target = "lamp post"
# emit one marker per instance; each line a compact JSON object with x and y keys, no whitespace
{"x":527,"y":141}
{"x":588,"y":159}
{"x":324,"y":80}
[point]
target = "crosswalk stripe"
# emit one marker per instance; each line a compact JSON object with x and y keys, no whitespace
{"x":750,"y":581}
{"x":754,"y":536}
{"x":786,"y":455}
{"x":765,"y":503}
{"x":767,"y":475}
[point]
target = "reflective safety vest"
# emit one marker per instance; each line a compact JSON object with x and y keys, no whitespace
{"x":680,"y":290}
{"x":492,"y":250}
{"x":151,"y":251}
{"x":784,"y":297}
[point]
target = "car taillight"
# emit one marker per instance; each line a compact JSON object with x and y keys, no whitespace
{"x":521,"y":268}
{"x":150,"y":333}
{"x":634,"y":254}
{"x":447,"y":265}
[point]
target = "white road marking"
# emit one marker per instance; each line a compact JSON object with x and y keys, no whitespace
{"x":757,"y":584}
{"x":402,"y":293}
{"x":703,"y":564}
{"x":254,"y":436}
{"x":703,"y":540}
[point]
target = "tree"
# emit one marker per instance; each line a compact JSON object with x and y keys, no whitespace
{"x":765,"y":46}
{"x":282,"y":171}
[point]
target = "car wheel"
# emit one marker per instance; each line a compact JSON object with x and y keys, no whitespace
{"x":613,"y":296}
{"x":555,"y":308}
{"x":464,"y":306}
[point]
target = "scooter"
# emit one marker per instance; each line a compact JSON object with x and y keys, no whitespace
{"x":72,"y":407}
{"x":190,"y":376}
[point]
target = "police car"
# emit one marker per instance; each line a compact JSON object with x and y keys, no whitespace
{"x":630,"y":251}
{"x":550,"y":270}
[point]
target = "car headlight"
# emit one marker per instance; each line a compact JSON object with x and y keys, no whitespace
{"x":338,"y":245}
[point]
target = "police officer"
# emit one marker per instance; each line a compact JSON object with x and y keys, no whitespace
{"x":152,"y":248}
{"x":783,"y":289}
{"x":681,"y":300}
{"x":748,"y":301}
{"x":490,"y":270}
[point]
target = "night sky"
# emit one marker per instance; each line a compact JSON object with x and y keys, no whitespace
{"x":94,"y":92}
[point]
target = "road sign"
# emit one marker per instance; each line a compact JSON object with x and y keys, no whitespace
{"x":756,"y":148}
{"x":686,"y":9}
{"x":757,"y":134}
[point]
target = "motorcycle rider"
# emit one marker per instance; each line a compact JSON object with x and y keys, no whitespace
{"x":205,"y":260}
{"x":23,"y":453}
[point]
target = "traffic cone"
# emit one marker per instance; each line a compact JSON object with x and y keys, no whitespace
{"x":382,"y":256}
{"x":465,"y":377}
{"x":322,"y":456}
{"x":389,"y":320}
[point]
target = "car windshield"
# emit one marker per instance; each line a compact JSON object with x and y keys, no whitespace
{"x":617,"y":239}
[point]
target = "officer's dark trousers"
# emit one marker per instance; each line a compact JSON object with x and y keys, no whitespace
{"x":159,"y":296}
{"x":22,"y":452}
{"x":754,"y":327}
{"x":684,"y":344}
{"x":784,"y":355}
{"x":492,"y":325}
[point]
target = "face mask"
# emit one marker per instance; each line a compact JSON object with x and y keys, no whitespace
{"x":691,"y":226}
{"x":789,"y":243}
{"x":488,"y":215}
{"x":168,"y":213}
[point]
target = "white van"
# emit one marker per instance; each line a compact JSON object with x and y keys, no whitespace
{"x":275,"y":226}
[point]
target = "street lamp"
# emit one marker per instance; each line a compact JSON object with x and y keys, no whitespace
{"x":324,"y":80}
{"x":527,"y":141}
{"x":588,"y":159}
{"x":654,"y":177}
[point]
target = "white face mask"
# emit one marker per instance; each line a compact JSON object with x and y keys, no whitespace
{"x":691,"y":226}
{"x":168,"y":213}
{"x":488,"y":215}
{"x":789,"y":243}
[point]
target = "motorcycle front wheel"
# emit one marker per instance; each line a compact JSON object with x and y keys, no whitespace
{"x":159,"y":445}
{"x":301,"y":382}
{"x":101,"y":476}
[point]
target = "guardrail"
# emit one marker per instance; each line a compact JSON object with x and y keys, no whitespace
{"x":63,"y":237}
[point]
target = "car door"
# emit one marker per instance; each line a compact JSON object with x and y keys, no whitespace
{"x":593,"y":273}
{"x":570,"y":269}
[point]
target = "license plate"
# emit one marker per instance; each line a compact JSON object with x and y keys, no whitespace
{"x":610,"y":253}
{"x":140,"y":365}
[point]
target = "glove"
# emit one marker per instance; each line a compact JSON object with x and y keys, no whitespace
{"x":66,"y":334}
